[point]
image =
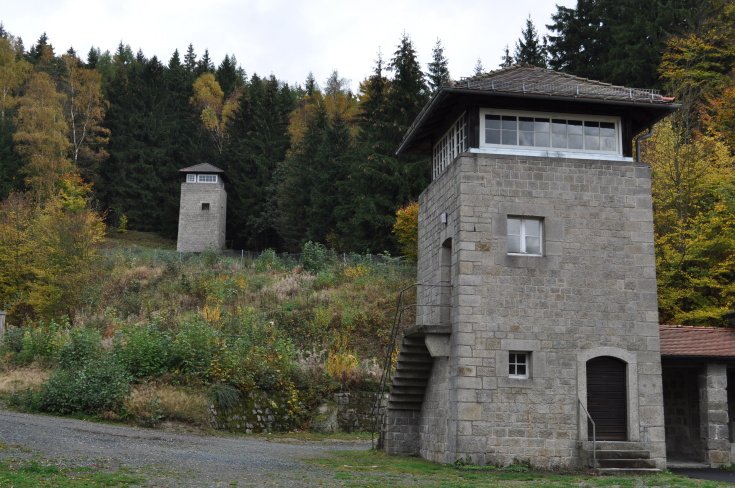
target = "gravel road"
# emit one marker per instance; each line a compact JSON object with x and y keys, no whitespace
{"x":168,"y":459}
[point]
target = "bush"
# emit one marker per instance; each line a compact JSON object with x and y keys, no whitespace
{"x":194,"y":348}
{"x":98,"y":386}
{"x":83,"y":346}
{"x":315,"y":257}
{"x":144,"y":350}
{"x":13,"y":340}
{"x":267,"y":261}
{"x":41,"y":343}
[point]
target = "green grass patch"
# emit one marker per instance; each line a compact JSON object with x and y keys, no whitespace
{"x":134,"y":238}
{"x":34,"y":474}
{"x":367,"y":469}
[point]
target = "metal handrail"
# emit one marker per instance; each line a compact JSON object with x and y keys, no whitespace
{"x":594,"y":432}
{"x":390,"y":349}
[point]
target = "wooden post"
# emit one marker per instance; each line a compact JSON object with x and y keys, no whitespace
{"x":2,"y":323}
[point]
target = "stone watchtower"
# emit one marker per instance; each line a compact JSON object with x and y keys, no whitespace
{"x":537,"y":287}
{"x":203,"y":209}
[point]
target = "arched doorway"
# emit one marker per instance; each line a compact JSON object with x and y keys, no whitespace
{"x":607,"y":399}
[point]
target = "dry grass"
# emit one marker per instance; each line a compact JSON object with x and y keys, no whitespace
{"x":21,"y":379}
{"x":166,"y":402}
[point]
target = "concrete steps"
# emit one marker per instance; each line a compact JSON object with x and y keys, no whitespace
{"x":411,"y":375}
{"x":617,"y":457}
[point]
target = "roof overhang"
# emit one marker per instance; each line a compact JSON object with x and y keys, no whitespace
{"x":643,"y":113}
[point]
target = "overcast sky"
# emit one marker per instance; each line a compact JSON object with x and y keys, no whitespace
{"x":287,"y":38}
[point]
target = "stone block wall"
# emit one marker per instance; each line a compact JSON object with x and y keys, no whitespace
{"x":593,"y":292}
{"x":202,"y":230}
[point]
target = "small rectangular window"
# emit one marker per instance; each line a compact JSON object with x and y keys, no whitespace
{"x":205,"y":207}
{"x":518,"y":364}
{"x":191,"y":178}
{"x":525,"y":235}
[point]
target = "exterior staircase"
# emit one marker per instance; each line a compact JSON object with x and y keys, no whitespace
{"x":411,"y":375}
{"x":618,"y":457}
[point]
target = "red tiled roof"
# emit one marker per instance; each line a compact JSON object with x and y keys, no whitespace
{"x":687,"y":341}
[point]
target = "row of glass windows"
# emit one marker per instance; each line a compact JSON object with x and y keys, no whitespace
{"x":512,"y":130}
{"x":194,"y":178}
{"x":451,"y":145}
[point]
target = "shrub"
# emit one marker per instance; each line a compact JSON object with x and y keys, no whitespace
{"x":194,"y":348}
{"x":98,"y":386}
{"x":82,"y":347}
{"x":144,"y":350}
{"x":315,"y":257}
{"x":13,"y":340}
{"x":267,"y":261}
{"x":41,"y":343}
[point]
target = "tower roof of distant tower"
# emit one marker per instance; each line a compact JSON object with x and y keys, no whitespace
{"x":201,"y":168}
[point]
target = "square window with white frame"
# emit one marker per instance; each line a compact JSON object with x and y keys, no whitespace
{"x":525,"y":235}
{"x":519,"y":364}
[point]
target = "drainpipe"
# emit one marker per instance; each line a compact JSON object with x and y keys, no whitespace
{"x":648,"y":134}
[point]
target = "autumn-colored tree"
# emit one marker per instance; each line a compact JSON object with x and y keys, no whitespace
{"x":65,"y":233}
{"x":718,"y":116}
{"x":216,"y":111}
{"x":16,"y":263}
{"x":694,"y":207}
{"x":85,"y":111}
{"x":13,"y":73}
{"x":41,"y":136}
{"x":406,"y":229}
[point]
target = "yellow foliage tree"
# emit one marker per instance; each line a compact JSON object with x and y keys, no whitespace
{"x":694,"y":221}
{"x":41,"y":136}
{"x":16,"y":245}
{"x":406,"y":228}
{"x":216,"y":112}
{"x":85,"y":111}
{"x":13,"y":73}
{"x":65,"y":233}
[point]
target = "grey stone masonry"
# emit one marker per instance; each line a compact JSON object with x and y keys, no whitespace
{"x":714,"y":415}
{"x":591,"y":293}
{"x":202,"y":215}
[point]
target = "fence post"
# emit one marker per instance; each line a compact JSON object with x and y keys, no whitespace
{"x":2,"y":323}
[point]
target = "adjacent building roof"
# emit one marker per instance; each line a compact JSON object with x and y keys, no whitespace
{"x":548,"y":87}
{"x":201,"y":168}
{"x":687,"y":341}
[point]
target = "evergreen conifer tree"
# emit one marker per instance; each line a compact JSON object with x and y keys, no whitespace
{"x":438,"y":74}
{"x":529,"y":49}
{"x":507,"y":60}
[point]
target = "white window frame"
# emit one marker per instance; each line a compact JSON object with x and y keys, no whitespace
{"x":449,"y":146}
{"x":522,"y":358}
{"x":522,"y":235}
{"x":553,"y":115}
{"x":206,"y":178}
{"x":191,"y":178}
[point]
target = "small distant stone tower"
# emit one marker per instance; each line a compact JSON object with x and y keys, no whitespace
{"x":203,"y":209}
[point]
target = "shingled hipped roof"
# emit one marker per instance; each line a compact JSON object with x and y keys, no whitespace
{"x":643,"y":106}
{"x":687,"y":341}
{"x":539,"y":81}
{"x":201,"y":168}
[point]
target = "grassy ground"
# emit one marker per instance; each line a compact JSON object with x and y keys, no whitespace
{"x":366,"y":469}
{"x":32,"y":474}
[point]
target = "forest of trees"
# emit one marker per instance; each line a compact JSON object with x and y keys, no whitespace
{"x":100,"y":139}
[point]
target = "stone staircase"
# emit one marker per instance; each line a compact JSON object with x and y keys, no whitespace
{"x":618,"y":457}
{"x":411,"y":375}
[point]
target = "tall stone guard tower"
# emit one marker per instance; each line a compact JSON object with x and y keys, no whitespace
{"x":203,"y":209}
{"x":537,"y":290}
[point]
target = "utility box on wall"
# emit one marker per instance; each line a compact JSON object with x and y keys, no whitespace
{"x":203,"y":209}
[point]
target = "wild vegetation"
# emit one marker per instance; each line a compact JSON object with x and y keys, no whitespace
{"x":162,"y":335}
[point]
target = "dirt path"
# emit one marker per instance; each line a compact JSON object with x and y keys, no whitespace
{"x":168,"y":459}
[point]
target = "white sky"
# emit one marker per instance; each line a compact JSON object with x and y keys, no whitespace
{"x":287,"y":38}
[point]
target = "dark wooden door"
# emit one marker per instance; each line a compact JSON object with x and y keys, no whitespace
{"x":606,"y":398}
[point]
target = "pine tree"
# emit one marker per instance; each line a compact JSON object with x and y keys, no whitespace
{"x":438,"y":74}
{"x":529,"y":49}
{"x":190,"y":60}
{"x":479,"y":68}
{"x":507,"y":60}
